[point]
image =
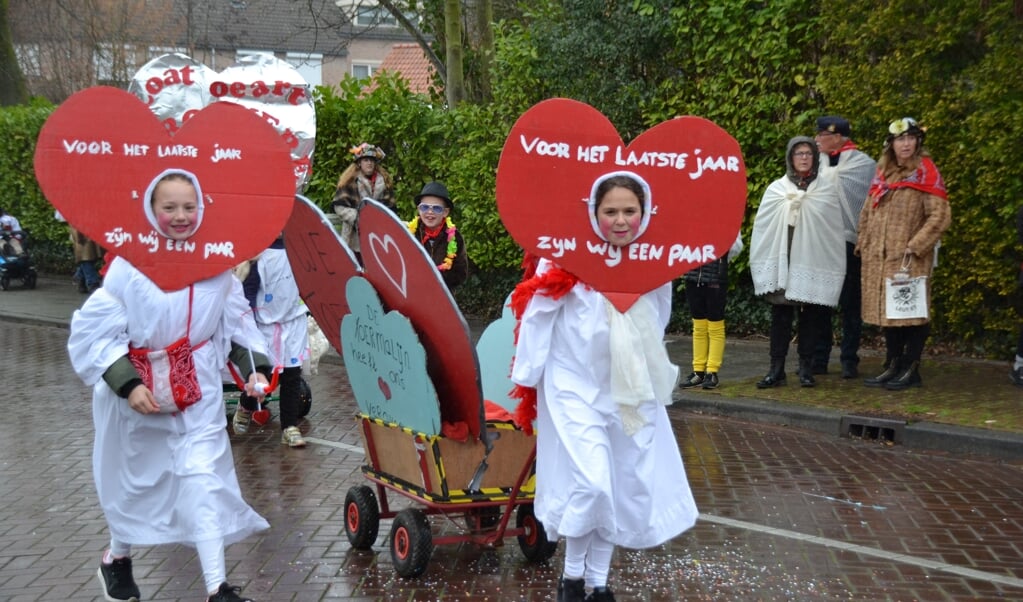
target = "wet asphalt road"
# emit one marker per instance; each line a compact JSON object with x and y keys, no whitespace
{"x":786,"y":514}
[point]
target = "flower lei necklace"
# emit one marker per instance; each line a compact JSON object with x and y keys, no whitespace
{"x":452,"y":248}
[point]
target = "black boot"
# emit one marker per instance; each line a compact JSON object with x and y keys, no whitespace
{"x":806,"y":372}
{"x":910,"y":377}
{"x":775,"y":376}
{"x":891,"y":370}
{"x":571,"y":590}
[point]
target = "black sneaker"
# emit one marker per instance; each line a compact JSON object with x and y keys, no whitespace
{"x":118,"y":584}
{"x":710,"y":380}
{"x":228,"y":593}
{"x":600,"y":594}
{"x":695,"y":379}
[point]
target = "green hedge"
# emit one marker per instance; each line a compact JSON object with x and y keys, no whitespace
{"x":763,"y":71}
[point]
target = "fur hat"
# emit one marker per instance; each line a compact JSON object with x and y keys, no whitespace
{"x":438,"y":190}
{"x":834,"y":124}
{"x":367,"y":151}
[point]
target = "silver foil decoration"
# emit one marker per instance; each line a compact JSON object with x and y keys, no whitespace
{"x":176,"y":85}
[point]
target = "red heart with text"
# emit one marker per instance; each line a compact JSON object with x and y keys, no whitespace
{"x":560,"y":148}
{"x":100,"y":151}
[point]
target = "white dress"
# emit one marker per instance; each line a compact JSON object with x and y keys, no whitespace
{"x":591,"y":475}
{"x":164,"y":478}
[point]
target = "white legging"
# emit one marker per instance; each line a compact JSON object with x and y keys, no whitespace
{"x":588,"y":557}
{"x":211,"y":559}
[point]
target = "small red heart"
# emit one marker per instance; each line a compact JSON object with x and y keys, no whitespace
{"x":384,"y":388}
{"x":100,"y":150}
{"x":694,"y":170}
{"x":261,"y":417}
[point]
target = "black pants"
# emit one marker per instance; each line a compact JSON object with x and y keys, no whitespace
{"x":906,"y":342}
{"x":808,"y":328}
{"x":850,"y":305}
{"x":290,"y":386}
{"x":707,"y":301}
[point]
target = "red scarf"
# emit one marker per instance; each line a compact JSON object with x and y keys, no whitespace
{"x":554,"y":283}
{"x":925,"y":178}
{"x":431,"y":233}
{"x":849,"y":145}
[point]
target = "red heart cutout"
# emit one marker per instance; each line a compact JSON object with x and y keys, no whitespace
{"x":384,"y":388}
{"x":559,"y":148}
{"x":322,"y":265}
{"x":408,"y":282}
{"x":261,"y":417}
{"x":102,"y":148}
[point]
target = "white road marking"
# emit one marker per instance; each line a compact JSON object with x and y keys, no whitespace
{"x":865,"y":551}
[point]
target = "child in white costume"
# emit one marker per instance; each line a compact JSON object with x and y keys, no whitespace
{"x":608,"y":468}
{"x":165,"y":477}
{"x":281,"y":316}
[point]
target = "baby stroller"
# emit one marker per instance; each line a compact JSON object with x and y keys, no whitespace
{"x":15,"y":262}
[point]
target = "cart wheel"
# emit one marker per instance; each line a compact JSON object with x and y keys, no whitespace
{"x":534,"y":543}
{"x":30,"y":280}
{"x":5,"y":282}
{"x":411,"y":542}
{"x":362,"y":517}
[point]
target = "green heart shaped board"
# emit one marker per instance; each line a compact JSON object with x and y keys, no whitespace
{"x":386,"y":363}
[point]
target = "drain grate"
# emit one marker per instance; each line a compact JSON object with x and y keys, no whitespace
{"x":872,"y":429}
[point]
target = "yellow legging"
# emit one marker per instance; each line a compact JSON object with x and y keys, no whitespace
{"x":708,"y":345}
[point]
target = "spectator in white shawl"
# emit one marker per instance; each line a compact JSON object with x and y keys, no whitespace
{"x":853,"y":170}
{"x":796,"y":256}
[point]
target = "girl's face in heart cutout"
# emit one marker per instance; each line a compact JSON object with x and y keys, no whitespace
{"x":619,"y":215}
{"x":176,"y":208}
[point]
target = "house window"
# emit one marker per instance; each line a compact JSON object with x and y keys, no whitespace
{"x":364,"y":70}
{"x":370,"y":16}
{"x":28,"y":60}
{"x":309,"y":66}
{"x":114,"y":64}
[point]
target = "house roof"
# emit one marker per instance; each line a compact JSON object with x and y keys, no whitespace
{"x":411,"y":63}
{"x":310,"y":26}
{"x":314,"y":26}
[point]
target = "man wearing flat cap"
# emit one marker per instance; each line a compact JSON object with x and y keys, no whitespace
{"x":852,"y":171}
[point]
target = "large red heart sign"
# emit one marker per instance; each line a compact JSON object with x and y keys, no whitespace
{"x":322,"y":265}
{"x":559,"y":149}
{"x":408,"y":282}
{"x":100,"y":151}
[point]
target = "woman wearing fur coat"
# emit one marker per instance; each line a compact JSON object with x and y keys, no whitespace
{"x":901,"y":225}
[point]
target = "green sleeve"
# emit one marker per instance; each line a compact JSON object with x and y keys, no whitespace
{"x":122,"y":376}
{"x":239,"y":356}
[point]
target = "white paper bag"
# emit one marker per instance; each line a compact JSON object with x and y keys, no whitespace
{"x":905,"y":298}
